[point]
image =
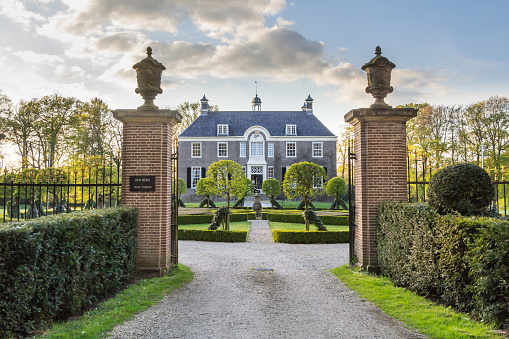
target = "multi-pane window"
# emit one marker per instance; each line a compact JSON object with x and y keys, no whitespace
{"x":222,"y":129}
{"x":195,"y":176}
{"x":291,"y":129}
{"x":318,"y":149}
{"x":270,"y":172}
{"x":242,"y":149}
{"x":317,"y":182}
{"x":270,"y":149}
{"x":196,"y":150}
{"x":222,"y":149}
{"x":291,"y":149}
{"x":256,"y":149}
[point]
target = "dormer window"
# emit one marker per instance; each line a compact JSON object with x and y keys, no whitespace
{"x":291,"y":129}
{"x":222,"y":129}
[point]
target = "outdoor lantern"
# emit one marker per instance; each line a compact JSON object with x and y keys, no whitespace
{"x":379,"y":70}
{"x":148,"y":74}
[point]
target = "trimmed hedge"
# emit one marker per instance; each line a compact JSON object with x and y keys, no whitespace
{"x":461,"y":261}
{"x":209,"y":235}
{"x":54,"y":267}
{"x":207,"y":218}
{"x":310,"y":237}
{"x":298,"y":218}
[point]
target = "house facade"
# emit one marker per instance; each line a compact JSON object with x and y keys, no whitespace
{"x":264,"y":143}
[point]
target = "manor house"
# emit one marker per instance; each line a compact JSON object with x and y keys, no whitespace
{"x":264,"y":143}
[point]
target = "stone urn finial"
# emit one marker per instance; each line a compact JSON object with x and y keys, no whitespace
{"x":379,"y":70}
{"x":148,"y":74}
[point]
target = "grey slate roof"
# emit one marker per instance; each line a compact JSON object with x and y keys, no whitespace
{"x":239,"y":121}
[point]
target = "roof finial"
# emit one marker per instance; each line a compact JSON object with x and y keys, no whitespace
{"x":378,"y":50}
{"x":256,"y":88}
{"x":149,"y":52}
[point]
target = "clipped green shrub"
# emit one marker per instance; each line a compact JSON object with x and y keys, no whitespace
{"x":204,"y":202}
{"x":310,"y":217}
{"x":212,"y":235}
{"x":310,"y":237}
{"x":462,"y":262}
{"x":207,"y":218}
{"x":302,"y":205}
{"x":195,"y":219}
{"x":53,"y":267}
{"x":298,"y":218}
{"x":464,"y":188}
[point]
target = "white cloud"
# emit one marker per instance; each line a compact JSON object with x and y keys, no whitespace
{"x":283,"y":23}
{"x":37,"y":58}
{"x":16,"y":11}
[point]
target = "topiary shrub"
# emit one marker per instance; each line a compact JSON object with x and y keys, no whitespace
{"x":464,"y":188}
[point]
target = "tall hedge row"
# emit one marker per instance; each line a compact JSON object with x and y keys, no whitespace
{"x":52,"y":268}
{"x":460,"y":261}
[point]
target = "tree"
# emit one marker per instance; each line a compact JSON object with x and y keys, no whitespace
{"x":189,"y":111}
{"x":342,"y":150}
{"x":206,"y":187}
{"x":181,"y":190}
{"x":337,"y":187}
{"x":249,"y":190}
{"x":228,"y":176}
{"x":304,"y":180}
{"x":271,"y":188}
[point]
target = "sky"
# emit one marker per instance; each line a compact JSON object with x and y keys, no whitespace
{"x":445,"y":51}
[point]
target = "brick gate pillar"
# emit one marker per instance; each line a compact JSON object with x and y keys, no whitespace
{"x":380,"y":172}
{"x":380,"y":157}
{"x":147,"y":167}
{"x":146,"y":181}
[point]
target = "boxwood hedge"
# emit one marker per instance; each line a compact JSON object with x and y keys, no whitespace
{"x":207,"y":218}
{"x":209,"y":235}
{"x":461,"y":261}
{"x":53,"y":267}
{"x":310,"y":237}
{"x":298,"y":218}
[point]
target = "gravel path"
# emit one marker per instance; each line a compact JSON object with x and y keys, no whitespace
{"x":261,"y":289}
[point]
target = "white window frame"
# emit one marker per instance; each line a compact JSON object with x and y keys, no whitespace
{"x":294,"y":149}
{"x":270,"y":172}
{"x":251,"y":148}
{"x":315,"y":183}
{"x":317,"y":152}
{"x":291,"y":129}
{"x":222,"y":129}
{"x":219,"y":150}
{"x":195,"y":170}
{"x":270,"y":149}
{"x":242,"y":149}
{"x":198,"y":150}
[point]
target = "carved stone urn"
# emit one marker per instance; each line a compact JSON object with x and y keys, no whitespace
{"x":378,"y":71}
{"x":148,"y":74}
{"x":257,"y":206}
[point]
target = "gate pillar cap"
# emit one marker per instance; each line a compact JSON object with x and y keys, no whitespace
{"x":135,"y":115}
{"x":402,"y":114}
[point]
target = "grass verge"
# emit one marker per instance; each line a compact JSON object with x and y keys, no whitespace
{"x":415,"y":311}
{"x":135,"y":299}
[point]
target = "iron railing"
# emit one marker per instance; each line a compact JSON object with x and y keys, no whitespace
{"x":32,"y":193}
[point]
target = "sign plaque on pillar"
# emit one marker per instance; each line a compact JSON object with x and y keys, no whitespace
{"x":142,"y":183}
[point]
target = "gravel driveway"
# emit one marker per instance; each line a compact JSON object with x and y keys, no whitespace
{"x":261,"y":289}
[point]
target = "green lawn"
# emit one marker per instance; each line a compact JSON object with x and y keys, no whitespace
{"x":135,"y":299}
{"x":415,"y":311}
{"x":274,"y":225}
{"x":234,"y":226}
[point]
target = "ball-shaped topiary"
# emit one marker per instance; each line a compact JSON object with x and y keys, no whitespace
{"x":464,"y":188}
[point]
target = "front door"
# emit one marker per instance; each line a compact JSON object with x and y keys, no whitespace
{"x":257,"y":179}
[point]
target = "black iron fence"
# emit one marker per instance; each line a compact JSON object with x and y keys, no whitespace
{"x":32,"y":193}
{"x":420,"y":172}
